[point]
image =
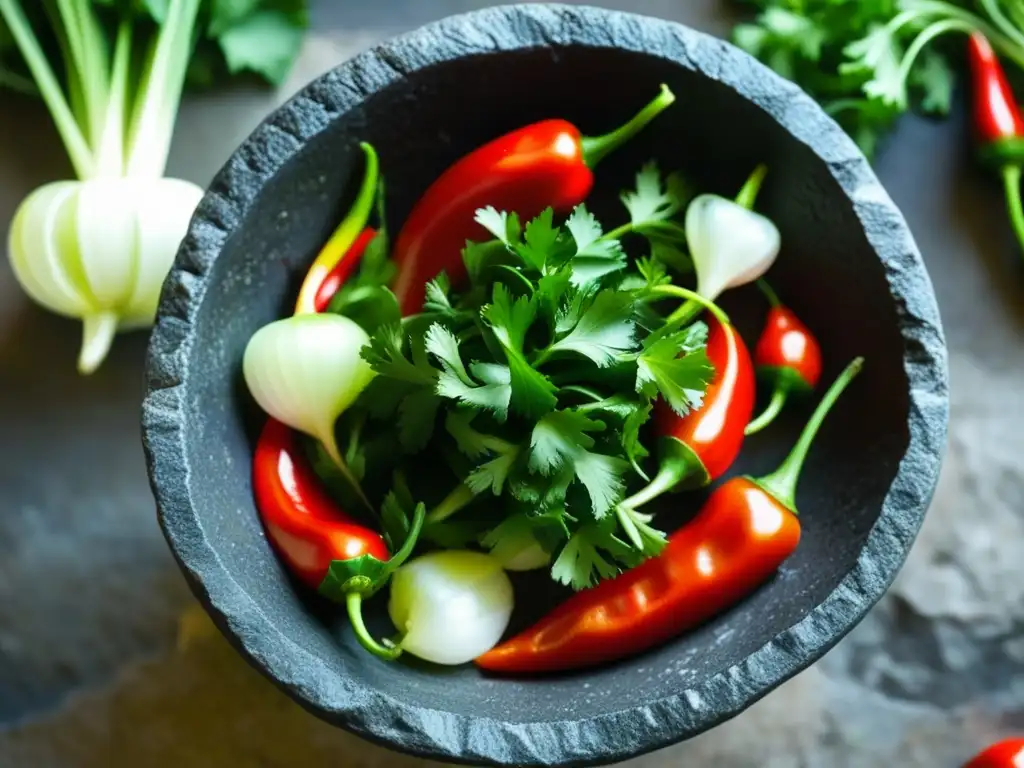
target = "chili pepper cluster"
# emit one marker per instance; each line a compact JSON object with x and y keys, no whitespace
{"x":744,"y":531}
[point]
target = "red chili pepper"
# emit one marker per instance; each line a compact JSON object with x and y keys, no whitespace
{"x":700,"y":446}
{"x":787,"y":354}
{"x":998,"y":124}
{"x":325,"y":548}
{"x":1004,"y":754}
{"x":543,"y":164}
{"x":745,"y":530}
{"x":345,"y":266}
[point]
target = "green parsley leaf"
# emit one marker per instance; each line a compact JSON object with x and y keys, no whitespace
{"x":935,"y":80}
{"x":680,"y":376}
{"x":472,"y":443}
{"x":533,"y":394}
{"x":417,"y":416}
{"x":600,"y":327}
{"x":437,"y":300}
{"x":266,"y":42}
{"x":493,"y":393}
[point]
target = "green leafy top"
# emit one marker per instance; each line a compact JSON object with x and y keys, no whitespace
{"x":533,"y":383}
{"x":869,"y":61}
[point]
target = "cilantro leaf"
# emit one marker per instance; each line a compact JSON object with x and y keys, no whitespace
{"x":417,"y":415}
{"x":532,"y":394}
{"x":559,"y":437}
{"x":650,"y":201}
{"x":493,"y":473}
{"x":580,"y":563}
{"x":437,"y":300}
{"x":386,"y":355}
{"x":493,"y":394}
{"x":266,"y":42}
{"x":670,"y":367}
{"x":935,"y":80}
{"x":631,"y":445}
{"x":599,"y":328}
{"x":503,"y":225}
{"x":472,"y":443}
{"x":541,"y":237}
{"x":595,"y":257}
{"x":561,"y":440}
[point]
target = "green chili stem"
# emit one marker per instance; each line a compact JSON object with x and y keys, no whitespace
{"x":411,"y":539}
{"x":694,"y":302}
{"x":1011,"y":184}
{"x":782,"y":482}
{"x":770,"y":413}
{"x":669,"y":475}
{"x":596,"y":148}
{"x":354,"y":604}
{"x":451,"y":504}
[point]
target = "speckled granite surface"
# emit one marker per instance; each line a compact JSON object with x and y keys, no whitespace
{"x":90,"y":599}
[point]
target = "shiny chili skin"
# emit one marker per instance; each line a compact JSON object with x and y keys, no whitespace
{"x":741,"y":535}
{"x":714,"y":432}
{"x":343,"y":269}
{"x":1004,"y":754}
{"x":787,"y":345}
{"x":736,"y":542}
{"x":524,"y":171}
{"x":302,"y":522}
{"x":545,"y":164}
{"x":996,"y":115}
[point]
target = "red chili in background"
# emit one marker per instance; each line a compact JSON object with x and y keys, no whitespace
{"x":1004,"y":754}
{"x":744,"y":531}
{"x":998,"y":124}
{"x":548,"y":163}
{"x":787,"y":354}
{"x":313,"y":535}
{"x":343,"y":269}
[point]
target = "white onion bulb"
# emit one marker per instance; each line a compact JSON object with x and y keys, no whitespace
{"x":99,"y":251}
{"x":730,"y":244}
{"x":451,"y":606}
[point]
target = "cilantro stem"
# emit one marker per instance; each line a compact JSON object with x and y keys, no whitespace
{"x":354,"y":606}
{"x":694,"y":301}
{"x":49,"y":88}
{"x":1000,"y":41}
{"x":451,"y":504}
{"x":925,"y":37}
{"x":992,"y":8}
{"x":1011,"y":186}
{"x":782,"y":482}
{"x":596,"y":148}
{"x":643,"y":227}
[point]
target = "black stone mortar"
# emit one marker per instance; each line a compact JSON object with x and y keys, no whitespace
{"x":849,"y":268}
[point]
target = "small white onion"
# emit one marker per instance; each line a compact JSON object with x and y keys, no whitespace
{"x":730,"y":245}
{"x":451,"y":606}
{"x":99,"y":251}
{"x":306,"y":370}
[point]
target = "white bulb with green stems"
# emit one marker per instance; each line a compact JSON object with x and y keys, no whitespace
{"x":99,"y":248}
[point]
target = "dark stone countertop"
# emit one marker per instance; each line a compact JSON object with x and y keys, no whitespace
{"x":90,"y":599}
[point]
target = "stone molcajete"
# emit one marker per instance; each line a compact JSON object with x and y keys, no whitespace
{"x":849,"y":267}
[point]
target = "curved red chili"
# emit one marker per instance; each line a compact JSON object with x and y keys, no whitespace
{"x":314,"y":536}
{"x":744,"y":531}
{"x":1004,"y":754}
{"x":998,"y":124}
{"x":699,"y":447}
{"x":343,"y":269}
{"x":787,"y":354}
{"x":546,"y":164}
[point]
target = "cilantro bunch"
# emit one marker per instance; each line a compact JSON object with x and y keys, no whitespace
{"x":515,"y":407}
{"x":870,"y":61}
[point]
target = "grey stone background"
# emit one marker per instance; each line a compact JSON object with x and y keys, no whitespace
{"x":105,"y":661}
